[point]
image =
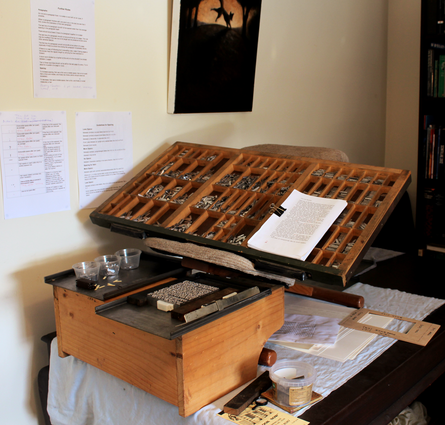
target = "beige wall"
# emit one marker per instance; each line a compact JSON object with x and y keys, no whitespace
{"x":403,"y":88}
{"x":321,"y":81}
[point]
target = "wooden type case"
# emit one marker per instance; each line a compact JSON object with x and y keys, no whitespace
{"x":188,"y":365}
{"x":219,"y":197}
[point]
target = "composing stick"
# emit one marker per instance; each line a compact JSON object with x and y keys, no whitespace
{"x":420,"y":333}
{"x":180,"y":311}
{"x":246,"y":396}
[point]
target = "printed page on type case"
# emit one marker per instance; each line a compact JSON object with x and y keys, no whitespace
{"x":302,"y":222}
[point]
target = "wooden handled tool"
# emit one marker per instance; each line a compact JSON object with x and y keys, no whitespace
{"x":338,"y":297}
{"x":268,"y":357}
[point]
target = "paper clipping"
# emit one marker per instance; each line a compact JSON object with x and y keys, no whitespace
{"x":63,"y":49}
{"x":35,"y":166}
{"x":104,"y":155}
{"x":303,"y":222}
{"x":262,"y":415}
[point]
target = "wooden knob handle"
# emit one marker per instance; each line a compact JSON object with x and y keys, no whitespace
{"x":333,"y":296}
{"x":267,"y":357}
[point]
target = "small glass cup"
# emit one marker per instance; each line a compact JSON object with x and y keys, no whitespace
{"x":130,"y":258}
{"x":109,"y":265}
{"x":87,"y":270}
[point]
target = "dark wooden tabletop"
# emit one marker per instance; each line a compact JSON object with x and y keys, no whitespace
{"x":402,"y":373}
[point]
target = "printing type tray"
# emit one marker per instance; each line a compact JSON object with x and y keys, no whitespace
{"x":219,"y":197}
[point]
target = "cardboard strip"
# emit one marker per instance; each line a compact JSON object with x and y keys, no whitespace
{"x":420,"y":333}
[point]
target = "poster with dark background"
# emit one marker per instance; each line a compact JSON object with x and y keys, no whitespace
{"x":214,"y":56}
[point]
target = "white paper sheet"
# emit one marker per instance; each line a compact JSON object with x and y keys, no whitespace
{"x":295,"y":232}
{"x":63,"y":48}
{"x":104,"y":155}
{"x":35,"y":168}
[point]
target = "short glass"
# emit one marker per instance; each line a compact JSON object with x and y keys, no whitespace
{"x":130,"y":258}
{"x":87,"y":270}
{"x":109,"y":265}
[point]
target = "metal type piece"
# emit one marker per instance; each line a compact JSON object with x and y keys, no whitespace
{"x":219,"y":203}
{"x":283,"y":190}
{"x":246,"y":182}
{"x":270,"y":183}
{"x":367,"y":199}
{"x":344,"y":193}
{"x":257,"y":185}
{"x":183,"y":153}
{"x":203,"y":178}
{"x":335,"y":245}
{"x":349,"y":246}
{"x":189,"y":176}
{"x":319,"y":172}
{"x":181,"y":199}
{"x":244,"y":211}
{"x":153,"y":191}
{"x":163,"y":169}
{"x":331,"y":193}
{"x":182,"y":225}
{"x":173,"y":174}
{"x":335,"y":265}
{"x":228,"y":180}
{"x":142,"y":218}
{"x":206,"y":201}
{"x":182,"y":292}
{"x":237,"y":240}
{"x":209,"y":158}
{"x":169,"y":194}
{"x":128,"y":215}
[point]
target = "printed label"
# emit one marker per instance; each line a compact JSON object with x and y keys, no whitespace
{"x":300,"y":395}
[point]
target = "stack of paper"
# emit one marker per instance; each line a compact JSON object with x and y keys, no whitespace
{"x":348,"y":342}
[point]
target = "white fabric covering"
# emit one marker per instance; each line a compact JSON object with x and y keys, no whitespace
{"x":81,"y":394}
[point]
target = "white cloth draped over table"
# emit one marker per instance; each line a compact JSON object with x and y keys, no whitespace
{"x":80,"y":394}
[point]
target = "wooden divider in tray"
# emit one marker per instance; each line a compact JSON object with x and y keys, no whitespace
{"x":220,"y":197}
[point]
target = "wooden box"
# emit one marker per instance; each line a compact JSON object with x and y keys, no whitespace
{"x":188,"y":365}
{"x":219,"y":197}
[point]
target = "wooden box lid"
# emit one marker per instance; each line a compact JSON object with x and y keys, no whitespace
{"x":219,"y":197}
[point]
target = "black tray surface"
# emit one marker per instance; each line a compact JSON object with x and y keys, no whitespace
{"x":151,"y":269}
